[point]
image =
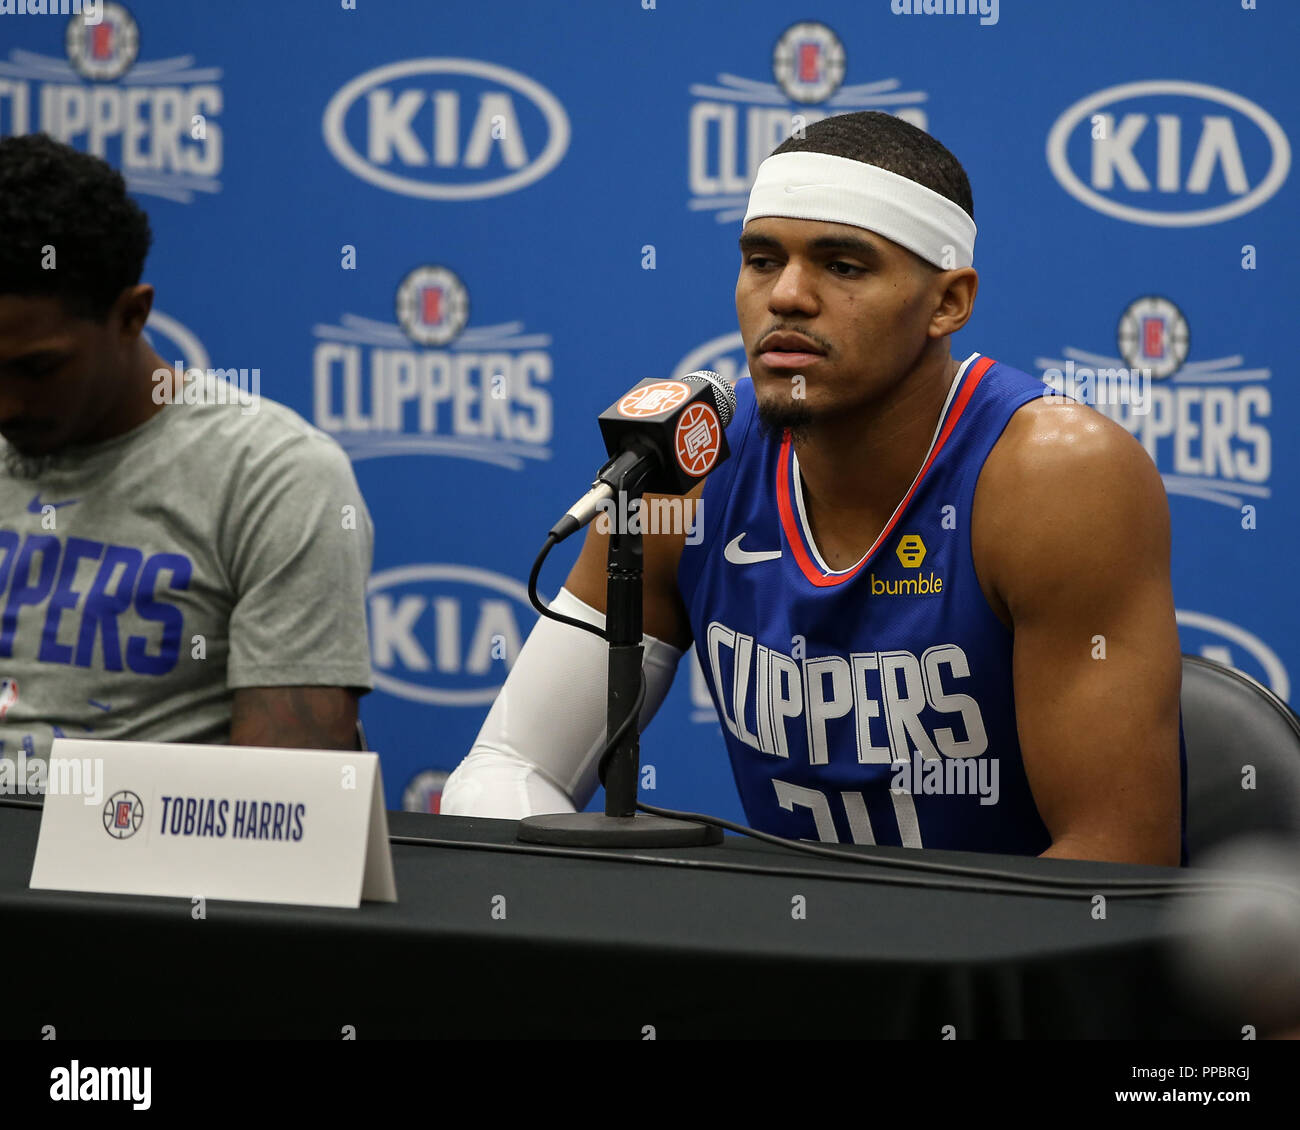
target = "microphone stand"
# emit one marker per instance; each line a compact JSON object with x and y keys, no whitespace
{"x":619,"y":825}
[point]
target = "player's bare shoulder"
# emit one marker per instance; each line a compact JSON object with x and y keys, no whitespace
{"x":1061,"y":471}
{"x":1056,"y":437}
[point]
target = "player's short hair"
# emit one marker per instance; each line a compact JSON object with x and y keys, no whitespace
{"x":53,"y":196}
{"x":880,"y":139}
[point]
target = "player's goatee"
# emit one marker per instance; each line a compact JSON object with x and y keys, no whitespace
{"x":775,"y":417}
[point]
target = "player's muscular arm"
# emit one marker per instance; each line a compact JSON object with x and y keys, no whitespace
{"x":662,"y":611}
{"x":295,"y":717}
{"x":1072,"y":520}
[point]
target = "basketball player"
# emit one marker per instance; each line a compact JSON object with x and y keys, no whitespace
{"x":175,"y":564}
{"x":909,"y":566}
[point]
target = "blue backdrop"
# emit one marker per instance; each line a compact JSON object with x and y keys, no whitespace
{"x":451,"y":234}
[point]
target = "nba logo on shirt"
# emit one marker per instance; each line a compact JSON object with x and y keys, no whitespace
{"x":8,"y":695}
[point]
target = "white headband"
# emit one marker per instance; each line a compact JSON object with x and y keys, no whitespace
{"x":818,"y":186}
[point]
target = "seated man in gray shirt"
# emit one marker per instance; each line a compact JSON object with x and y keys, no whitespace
{"x":175,"y":564}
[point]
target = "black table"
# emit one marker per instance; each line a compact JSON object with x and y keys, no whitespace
{"x":603,"y":948}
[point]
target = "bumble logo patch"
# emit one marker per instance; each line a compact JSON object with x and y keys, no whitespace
{"x":911,"y":551}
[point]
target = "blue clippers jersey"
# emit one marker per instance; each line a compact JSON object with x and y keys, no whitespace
{"x":874,"y":704}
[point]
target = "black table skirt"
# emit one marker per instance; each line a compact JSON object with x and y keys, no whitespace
{"x":597,"y":948}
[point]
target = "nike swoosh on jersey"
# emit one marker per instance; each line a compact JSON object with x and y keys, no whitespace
{"x":36,"y":505}
{"x":738,"y":556}
{"x":800,"y":187}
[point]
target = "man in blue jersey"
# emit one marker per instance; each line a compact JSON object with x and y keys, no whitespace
{"x":932,"y":605}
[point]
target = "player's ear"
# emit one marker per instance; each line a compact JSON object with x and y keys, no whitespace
{"x":955,"y":300}
{"x":131,"y":310}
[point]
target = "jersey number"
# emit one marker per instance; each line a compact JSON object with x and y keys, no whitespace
{"x":855,"y":811}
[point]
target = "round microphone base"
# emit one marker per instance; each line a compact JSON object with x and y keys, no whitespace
{"x":595,"y":829}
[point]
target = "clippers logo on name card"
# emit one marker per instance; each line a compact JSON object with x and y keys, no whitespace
{"x":123,"y":815}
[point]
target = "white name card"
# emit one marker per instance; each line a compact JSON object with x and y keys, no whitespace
{"x":298,"y":826}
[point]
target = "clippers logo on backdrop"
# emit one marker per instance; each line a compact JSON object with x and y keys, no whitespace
{"x":736,"y":123}
{"x":446,"y":129}
{"x":446,"y":635}
{"x":429,"y":384}
{"x":423,"y":793}
{"x":1168,"y":153}
{"x":1228,"y":643}
{"x":154,"y":120}
{"x":1204,"y":423}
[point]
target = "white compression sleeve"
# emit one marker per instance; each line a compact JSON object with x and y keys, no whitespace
{"x":538,"y":749}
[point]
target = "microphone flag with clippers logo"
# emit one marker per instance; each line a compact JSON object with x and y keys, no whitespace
{"x":682,"y":421}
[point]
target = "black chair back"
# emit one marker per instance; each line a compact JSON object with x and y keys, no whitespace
{"x":1231,"y":725}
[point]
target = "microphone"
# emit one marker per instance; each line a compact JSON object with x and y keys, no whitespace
{"x":673,"y":432}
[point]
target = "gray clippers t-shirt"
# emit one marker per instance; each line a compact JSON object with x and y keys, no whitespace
{"x":144,"y":578}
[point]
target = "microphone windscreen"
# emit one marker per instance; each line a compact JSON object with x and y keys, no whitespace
{"x":723,"y":394}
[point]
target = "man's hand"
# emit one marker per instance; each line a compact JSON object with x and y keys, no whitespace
{"x":1075,"y":530}
{"x":295,"y":717}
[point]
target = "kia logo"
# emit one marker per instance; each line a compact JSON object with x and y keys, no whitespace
{"x":436,"y":127}
{"x":446,"y":635}
{"x":1175,"y":157}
